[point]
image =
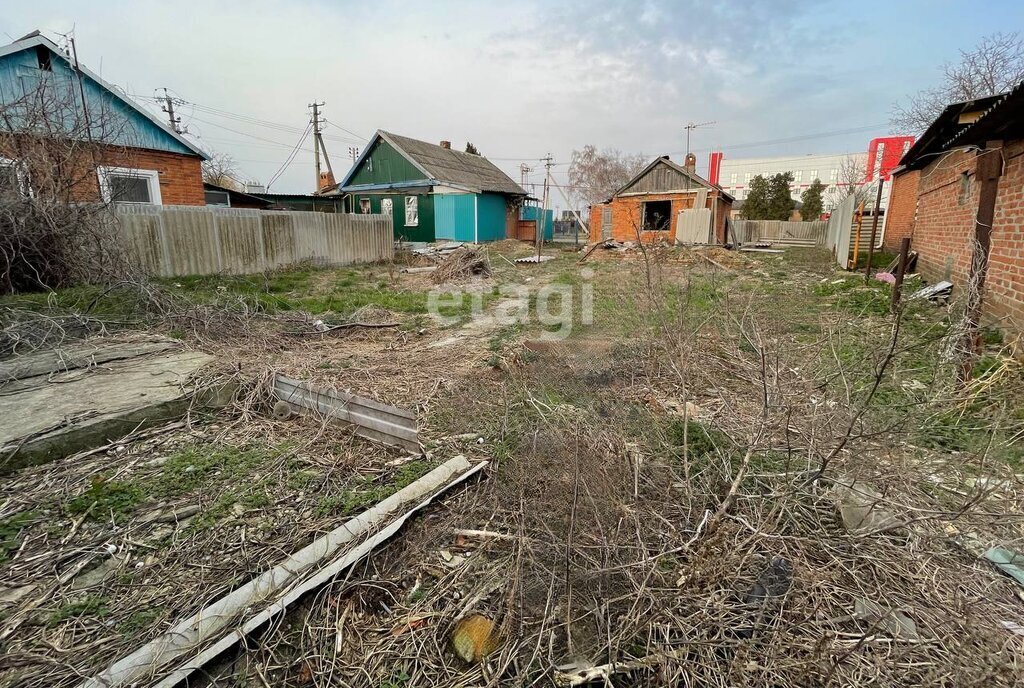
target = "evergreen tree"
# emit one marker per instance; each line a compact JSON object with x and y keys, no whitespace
{"x":769,"y":198}
{"x":811,"y":199}
{"x":470,"y":148}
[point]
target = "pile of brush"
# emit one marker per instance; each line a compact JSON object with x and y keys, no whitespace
{"x":462,"y":263}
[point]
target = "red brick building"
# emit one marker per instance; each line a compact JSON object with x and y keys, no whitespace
{"x":119,"y":150}
{"x":651,"y":203}
{"x":964,"y":179}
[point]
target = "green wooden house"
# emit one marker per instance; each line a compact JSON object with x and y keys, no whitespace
{"x":432,"y":192}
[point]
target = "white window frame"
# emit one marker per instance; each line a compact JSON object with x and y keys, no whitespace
{"x":387,"y":206}
{"x":798,"y":176}
{"x":412,"y":219}
{"x":21,"y":174}
{"x":152,"y":178}
{"x":365,"y":206}
{"x":812,"y":176}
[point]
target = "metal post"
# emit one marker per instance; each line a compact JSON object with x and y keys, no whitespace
{"x":856,"y":237}
{"x":901,"y":270}
{"x":874,"y":230}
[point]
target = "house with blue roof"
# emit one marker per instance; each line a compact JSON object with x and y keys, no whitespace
{"x":111,"y":146}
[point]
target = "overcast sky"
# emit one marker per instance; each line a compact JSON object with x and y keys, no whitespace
{"x":522,"y":79}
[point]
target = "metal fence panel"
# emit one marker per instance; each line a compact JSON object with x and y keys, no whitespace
{"x":839,"y":227}
{"x":187,"y":240}
{"x":782,"y":232}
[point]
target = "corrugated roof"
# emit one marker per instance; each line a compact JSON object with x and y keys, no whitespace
{"x":943,"y":131}
{"x":454,"y":167}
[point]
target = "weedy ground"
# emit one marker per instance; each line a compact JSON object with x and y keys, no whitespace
{"x":647,"y":470}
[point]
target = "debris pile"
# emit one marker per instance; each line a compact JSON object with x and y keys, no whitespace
{"x":462,"y":263}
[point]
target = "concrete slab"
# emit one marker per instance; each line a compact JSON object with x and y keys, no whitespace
{"x":57,"y":402}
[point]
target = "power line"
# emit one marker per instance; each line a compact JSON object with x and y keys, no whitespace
{"x":291,"y":156}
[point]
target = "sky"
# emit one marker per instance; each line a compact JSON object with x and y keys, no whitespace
{"x":520,"y":80}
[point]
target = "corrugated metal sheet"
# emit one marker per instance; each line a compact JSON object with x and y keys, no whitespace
{"x":371,"y":419}
{"x":183,"y":240}
{"x":839,"y":230}
{"x":532,"y":212}
{"x":793,"y":233}
{"x":694,"y":226}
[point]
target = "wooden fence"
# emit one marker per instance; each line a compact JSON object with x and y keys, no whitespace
{"x":186,"y":240}
{"x":780,"y":232}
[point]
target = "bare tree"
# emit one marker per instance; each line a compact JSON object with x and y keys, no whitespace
{"x":850,"y":179}
{"x":221,"y":170}
{"x":595,"y":175}
{"x":995,"y":65}
{"x":56,"y":222}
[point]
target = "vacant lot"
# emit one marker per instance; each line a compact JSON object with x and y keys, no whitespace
{"x":666,"y":491}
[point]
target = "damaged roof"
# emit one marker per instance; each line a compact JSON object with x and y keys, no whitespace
{"x":971,"y":122}
{"x":673,"y":167}
{"x":444,"y":166}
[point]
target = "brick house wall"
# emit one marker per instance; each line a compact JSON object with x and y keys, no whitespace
{"x":181,"y":176}
{"x":627,"y":215}
{"x":899,"y":216}
{"x":946,"y":206}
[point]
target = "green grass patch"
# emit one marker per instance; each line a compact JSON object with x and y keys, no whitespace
{"x":367,"y":492}
{"x":140,"y":621}
{"x":106,"y":499}
{"x":91,"y":606}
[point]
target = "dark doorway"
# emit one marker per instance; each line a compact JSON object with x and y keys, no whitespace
{"x":657,"y":216}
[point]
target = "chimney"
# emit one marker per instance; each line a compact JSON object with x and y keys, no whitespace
{"x":326,"y":181}
{"x":691,"y":163}
{"x":446,"y":144}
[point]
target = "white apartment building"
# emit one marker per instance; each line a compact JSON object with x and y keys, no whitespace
{"x":832,"y":170}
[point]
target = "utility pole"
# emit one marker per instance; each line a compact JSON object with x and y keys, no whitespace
{"x":169,"y":109}
{"x":353,"y":153}
{"x":542,"y":217}
{"x":316,"y":141}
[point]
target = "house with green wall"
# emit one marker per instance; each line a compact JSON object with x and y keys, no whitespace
{"x":431,"y":192}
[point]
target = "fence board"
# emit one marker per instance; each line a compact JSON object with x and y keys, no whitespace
{"x":782,"y":232}
{"x":169,"y":241}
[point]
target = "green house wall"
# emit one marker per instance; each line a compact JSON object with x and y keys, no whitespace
{"x":423,"y":231}
{"x":385,"y":165}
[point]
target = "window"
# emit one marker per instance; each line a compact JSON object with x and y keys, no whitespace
{"x":13,"y":180}
{"x":965,"y":188}
{"x":364,"y":206}
{"x":746,"y":178}
{"x":833,"y":175}
{"x":217,"y":198}
{"x":813,"y":175}
{"x":412,"y":211}
{"x":386,"y":206}
{"x":657,"y":216}
{"x":733,"y":177}
{"x":798,"y":176}
{"x":126,"y":185}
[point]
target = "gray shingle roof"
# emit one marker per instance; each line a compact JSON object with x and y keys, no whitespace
{"x":455,"y":167}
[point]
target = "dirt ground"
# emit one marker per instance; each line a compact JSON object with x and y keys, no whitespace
{"x":668,"y":501}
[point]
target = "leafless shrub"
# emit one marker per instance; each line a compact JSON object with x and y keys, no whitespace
{"x":56,"y":224}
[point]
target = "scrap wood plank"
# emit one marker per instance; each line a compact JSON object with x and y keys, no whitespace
{"x":370,"y":419}
{"x":219,"y":626}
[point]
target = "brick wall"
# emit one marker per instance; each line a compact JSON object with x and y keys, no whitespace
{"x":181,"y":176}
{"x":899,"y":216}
{"x":627,"y":215}
{"x":945,"y":223}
